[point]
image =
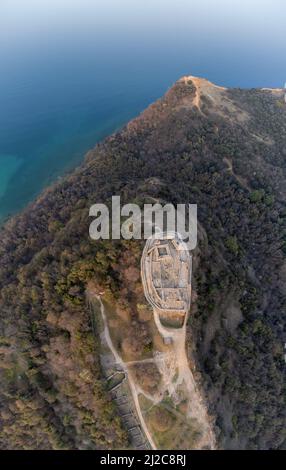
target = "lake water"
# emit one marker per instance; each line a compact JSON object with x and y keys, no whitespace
{"x":72,"y":72}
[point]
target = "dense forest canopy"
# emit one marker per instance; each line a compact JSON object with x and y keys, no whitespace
{"x":228,"y":156}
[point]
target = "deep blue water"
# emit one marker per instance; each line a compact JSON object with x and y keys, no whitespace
{"x":72,"y":72}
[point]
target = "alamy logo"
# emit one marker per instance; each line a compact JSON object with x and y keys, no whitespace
{"x":154,"y":220}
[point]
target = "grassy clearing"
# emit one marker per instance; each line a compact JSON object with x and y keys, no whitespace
{"x":170,"y":429}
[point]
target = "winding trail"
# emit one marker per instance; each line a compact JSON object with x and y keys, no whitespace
{"x":177,"y":380}
{"x":125,"y":368}
{"x":185,"y":376}
{"x":171,"y":363}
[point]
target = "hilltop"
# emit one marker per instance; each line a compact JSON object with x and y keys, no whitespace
{"x":222,"y":149}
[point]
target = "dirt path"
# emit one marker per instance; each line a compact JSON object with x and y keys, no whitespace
{"x":171,"y":364}
{"x":204,"y":88}
{"x":177,"y":384}
{"x":197,"y":99}
{"x":185,"y":376}
{"x":240,"y":180}
{"x":125,"y":368}
{"x":219,"y":101}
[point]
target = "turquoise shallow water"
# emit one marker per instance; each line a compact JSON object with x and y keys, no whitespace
{"x":73,"y":72}
{"x":10,"y":165}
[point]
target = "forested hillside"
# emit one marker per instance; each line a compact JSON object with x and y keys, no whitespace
{"x":224,"y":150}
